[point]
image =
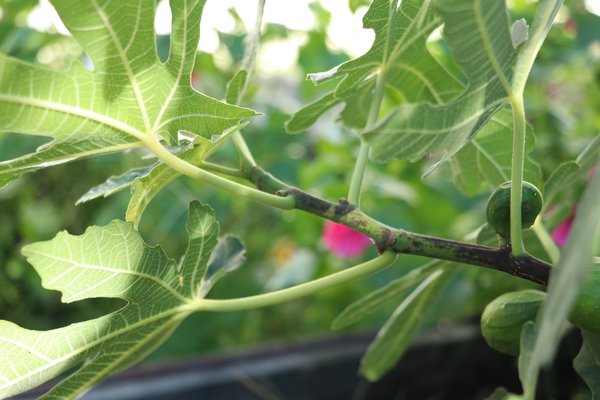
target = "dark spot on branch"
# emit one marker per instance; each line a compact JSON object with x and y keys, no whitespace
{"x":388,"y":241}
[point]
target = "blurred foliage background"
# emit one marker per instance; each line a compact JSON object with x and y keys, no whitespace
{"x":284,"y":248}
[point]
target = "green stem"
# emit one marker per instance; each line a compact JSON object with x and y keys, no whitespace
{"x":378,"y":93}
{"x":546,"y":240}
{"x":544,"y":17}
{"x":221,"y":169}
{"x":250,"y":51}
{"x":185,"y":168}
{"x":295,"y":292}
{"x":363,"y":153}
{"x":251,"y":45}
{"x":358,"y":174}
{"x":246,"y":157}
{"x":516,"y":192}
{"x":531,"y":387}
{"x":542,"y":23}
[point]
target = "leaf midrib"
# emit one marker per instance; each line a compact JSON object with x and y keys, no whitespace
{"x":76,"y":111}
{"x":84,"y":266}
{"x":479,"y":20}
{"x":126,"y":64}
{"x":65,"y":158}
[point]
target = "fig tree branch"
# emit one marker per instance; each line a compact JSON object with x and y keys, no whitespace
{"x":401,"y":241}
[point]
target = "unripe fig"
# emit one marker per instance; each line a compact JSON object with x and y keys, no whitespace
{"x":498,"y":207}
{"x":503,"y":319}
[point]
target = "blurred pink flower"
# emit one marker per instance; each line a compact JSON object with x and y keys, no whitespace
{"x":561,"y":233}
{"x":343,"y":241}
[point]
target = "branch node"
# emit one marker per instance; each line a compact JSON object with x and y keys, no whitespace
{"x":389,"y":240}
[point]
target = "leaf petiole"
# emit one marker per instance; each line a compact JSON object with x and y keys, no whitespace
{"x":221,"y":169}
{"x":185,"y":168}
{"x":358,"y":174}
{"x":251,"y":48}
{"x":546,"y":240}
{"x":541,"y":25}
{"x":363,"y":153}
{"x":516,"y":192}
{"x":298,"y":291}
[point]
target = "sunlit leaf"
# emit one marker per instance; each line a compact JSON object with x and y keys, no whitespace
{"x":129,"y":96}
{"x":399,"y":49}
{"x":110,"y":262}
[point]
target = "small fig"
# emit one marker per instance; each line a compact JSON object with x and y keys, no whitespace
{"x":503,"y":319}
{"x":498,"y":207}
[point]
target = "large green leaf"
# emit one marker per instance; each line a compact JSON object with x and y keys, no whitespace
{"x":487,"y":158}
{"x":127,"y":98}
{"x":478,"y":35}
{"x":114,"y":262}
{"x":399,"y":49}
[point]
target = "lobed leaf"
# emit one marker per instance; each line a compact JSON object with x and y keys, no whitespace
{"x":127,"y":98}
{"x":111,"y":262}
{"x":478,"y":35}
{"x":399,"y":49}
